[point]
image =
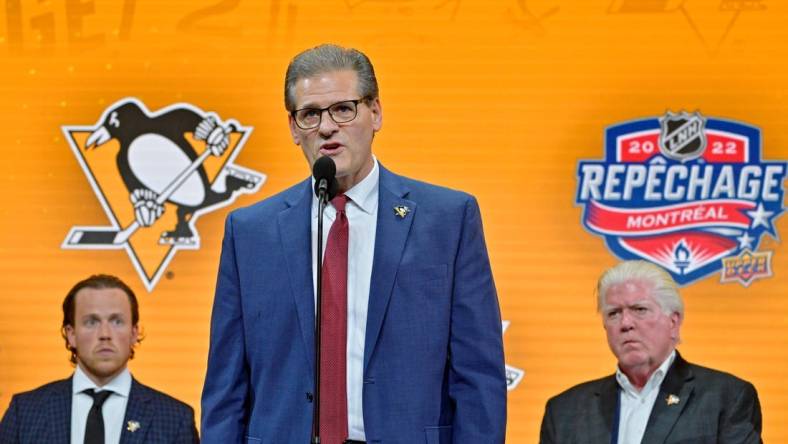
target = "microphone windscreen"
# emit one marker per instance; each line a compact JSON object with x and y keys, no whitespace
{"x":324,"y":168}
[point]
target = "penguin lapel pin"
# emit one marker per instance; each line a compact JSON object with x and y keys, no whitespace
{"x":672,"y":400}
{"x":132,"y":426}
{"x":401,"y":211}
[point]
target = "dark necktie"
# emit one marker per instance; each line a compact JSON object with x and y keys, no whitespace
{"x":333,"y":359}
{"x":94,"y":429}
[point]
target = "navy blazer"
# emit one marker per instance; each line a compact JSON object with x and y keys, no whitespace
{"x":43,"y":415}
{"x":433,"y":353}
{"x":707,"y":406}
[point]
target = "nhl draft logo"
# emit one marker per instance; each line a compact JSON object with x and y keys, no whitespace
{"x":155,"y":174}
{"x":686,"y":192}
{"x":513,"y":374}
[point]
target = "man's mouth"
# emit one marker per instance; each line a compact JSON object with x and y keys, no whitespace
{"x":330,"y":148}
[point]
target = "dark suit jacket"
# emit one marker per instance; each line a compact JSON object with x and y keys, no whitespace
{"x":713,"y":407}
{"x":43,"y":415}
{"x":433,"y":356}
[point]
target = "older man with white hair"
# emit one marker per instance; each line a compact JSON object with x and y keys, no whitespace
{"x":655,"y":396}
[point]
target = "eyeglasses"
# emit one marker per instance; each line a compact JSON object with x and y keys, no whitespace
{"x":340,"y":112}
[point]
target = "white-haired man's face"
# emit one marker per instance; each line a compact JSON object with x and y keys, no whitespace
{"x":639,"y":332}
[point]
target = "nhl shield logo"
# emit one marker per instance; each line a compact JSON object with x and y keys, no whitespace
{"x":155,"y":174}
{"x":683,"y":136}
{"x":686,"y":192}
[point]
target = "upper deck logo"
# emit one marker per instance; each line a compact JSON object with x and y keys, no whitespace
{"x":689,"y":193}
{"x":155,"y":174}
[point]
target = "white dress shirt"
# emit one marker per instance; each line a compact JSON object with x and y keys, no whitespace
{"x":113,"y":410}
{"x":362,"y":214}
{"x":635,"y":406}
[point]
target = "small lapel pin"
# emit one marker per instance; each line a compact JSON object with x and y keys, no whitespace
{"x":132,"y":426}
{"x":672,"y":399}
{"x":401,"y":210}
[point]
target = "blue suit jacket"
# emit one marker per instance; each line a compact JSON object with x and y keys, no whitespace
{"x":43,"y":415}
{"x":433,"y":356}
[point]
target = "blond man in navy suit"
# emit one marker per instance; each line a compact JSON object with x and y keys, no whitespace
{"x":100,"y":329}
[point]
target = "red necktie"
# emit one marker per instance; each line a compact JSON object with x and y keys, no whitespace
{"x":333,"y":359}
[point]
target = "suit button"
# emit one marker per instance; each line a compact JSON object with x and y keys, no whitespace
{"x":309,"y":397}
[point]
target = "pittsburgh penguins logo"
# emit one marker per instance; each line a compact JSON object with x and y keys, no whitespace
{"x":155,"y":174}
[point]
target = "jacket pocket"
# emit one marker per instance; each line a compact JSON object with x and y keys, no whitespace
{"x":438,"y":434}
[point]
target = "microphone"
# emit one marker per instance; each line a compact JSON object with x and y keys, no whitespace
{"x":324,"y":172}
{"x":326,"y":186}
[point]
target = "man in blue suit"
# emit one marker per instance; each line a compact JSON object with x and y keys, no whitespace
{"x":101,"y":402}
{"x":421,"y":353}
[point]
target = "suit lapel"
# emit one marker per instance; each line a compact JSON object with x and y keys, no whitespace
{"x":59,"y":429}
{"x":139,"y":417}
{"x":390,"y":237}
{"x":674,"y":394}
{"x":602,"y":419}
{"x":295,"y":228}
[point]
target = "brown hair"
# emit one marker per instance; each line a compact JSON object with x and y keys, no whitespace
{"x":97,"y":281}
{"x":327,"y":58}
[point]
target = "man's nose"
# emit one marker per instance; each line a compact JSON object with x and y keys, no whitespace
{"x":627,"y":320}
{"x":327,"y":124}
{"x":105,"y":331}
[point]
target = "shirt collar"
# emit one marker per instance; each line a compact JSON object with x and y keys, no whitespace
{"x":119,"y":385}
{"x":655,"y":380}
{"x":363,"y":194}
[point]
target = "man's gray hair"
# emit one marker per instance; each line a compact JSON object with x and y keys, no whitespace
{"x":665,"y":292}
{"x":327,"y":58}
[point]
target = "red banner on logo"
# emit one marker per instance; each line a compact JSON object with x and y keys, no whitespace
{"x":642,"y":221}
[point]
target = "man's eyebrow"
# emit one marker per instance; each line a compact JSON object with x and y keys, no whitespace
{"x":310,"y":105}
{"x":632,"y":304}
{"x":97,"y":316}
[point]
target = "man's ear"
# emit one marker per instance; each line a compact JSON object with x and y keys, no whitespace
{"x":377,"y":114}
{"x":675,"y":326}
{"x":71,"y":336}
{"x":294,"y":130}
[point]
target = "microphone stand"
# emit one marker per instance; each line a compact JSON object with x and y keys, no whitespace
{"x":322,"y":201}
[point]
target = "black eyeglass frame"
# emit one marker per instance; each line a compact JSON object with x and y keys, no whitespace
{"x":328,"y":108}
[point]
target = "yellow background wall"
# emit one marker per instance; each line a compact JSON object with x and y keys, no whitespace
{"x":499,"y":98}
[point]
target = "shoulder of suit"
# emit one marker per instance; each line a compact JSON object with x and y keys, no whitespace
{"x":164,"y":401}
{"x":418,"y":188}
{"x":585,"y":389}
{"x":709,"y":376}
{"x":45,"y":392}
{"x":431,"y":199}
{"x":270,"y":205}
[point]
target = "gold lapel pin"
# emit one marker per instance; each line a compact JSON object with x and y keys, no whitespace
{"x":132,"y":426}
{"x":672,"y":399}
{"x":401,"y":210}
